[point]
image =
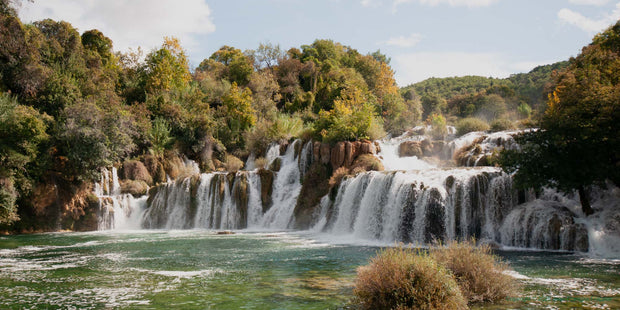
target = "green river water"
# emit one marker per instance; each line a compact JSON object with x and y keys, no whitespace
{"x":198,"y":269}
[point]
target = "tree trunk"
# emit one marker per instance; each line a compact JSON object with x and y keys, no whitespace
{"x":585,"y":202}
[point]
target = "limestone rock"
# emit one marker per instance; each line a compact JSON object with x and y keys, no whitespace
{"x":325,"y":153}
{"x":338,"y":155}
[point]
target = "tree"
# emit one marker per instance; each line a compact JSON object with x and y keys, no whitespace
{"x":578,"y":142}
{"x":237,"y":66}
{"x":22,"y":130}
{"x":236,"y":115}
{"x":352,"y":118}
{"x":267,"y":55}
{"x":167,"y":67}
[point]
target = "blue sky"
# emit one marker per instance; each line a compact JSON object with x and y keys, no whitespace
{"x":424,"y":38}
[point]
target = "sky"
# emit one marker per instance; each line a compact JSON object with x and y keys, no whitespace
{"x":423,"y":38}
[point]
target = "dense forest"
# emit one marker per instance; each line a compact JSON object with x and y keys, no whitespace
{"x":70,"y":105}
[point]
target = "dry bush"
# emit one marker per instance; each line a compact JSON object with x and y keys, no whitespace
{"x":502,"y":124}
{"x":480,"y":274}
{"x":133,"y":187}
{"x":401,"y":278}
{"x":260,"y":163}
{"x":368,"y":162}
{"x":136,"y":170}
{"x":470,"y":124}
{"x":337,"y":176}
{"x":233,"y":163}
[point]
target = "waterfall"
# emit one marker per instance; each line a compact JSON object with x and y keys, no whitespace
{"x":415,"y":200}
{"x":286,"y":188}
{"x":419,"y":206}
{"x":116,"y":210}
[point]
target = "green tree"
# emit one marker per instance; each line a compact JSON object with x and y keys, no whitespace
{"x":352,"y":118}
{"x":22,"y":130}
{"x":167,"y":68}
{"x":236,"y":115}
{"x":578,"y":142}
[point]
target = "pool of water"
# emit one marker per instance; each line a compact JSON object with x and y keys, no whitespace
{"x":199,"y":269}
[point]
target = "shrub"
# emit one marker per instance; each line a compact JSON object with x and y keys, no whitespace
{"x":337,"y":176}
{"x":480,"y":274}
{"x":438,"y":124}
{"x":134,"y":187}
{"x":233,"y":163}
{"x":470,"y":124}
{"x":524,"y":110}
{"x":400,"y":278}
{"x":136,"y":170}
{"x":502,"y":124}
{"x":260,"y":163}
{"x":367,"y":162}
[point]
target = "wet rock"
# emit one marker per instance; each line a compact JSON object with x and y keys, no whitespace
{"x":276,"y":164}
{"x":266,"y":188}
{"x":240,"y":196}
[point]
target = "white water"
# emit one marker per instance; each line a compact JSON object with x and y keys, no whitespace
{"x":116,"y":210}
{"x":391,"y":160}
{"x":414,"y":200}
{"x":286,"y":189}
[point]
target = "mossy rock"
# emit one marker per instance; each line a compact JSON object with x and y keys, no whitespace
{"x":266,"y":187}
{"x":276,"y":164}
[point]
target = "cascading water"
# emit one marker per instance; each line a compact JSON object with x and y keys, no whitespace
{"x":116,"y":210}
{"x":414,"y":200}
{"x":286,"y":189}
{"x":419,"y":206}
{"x":228,"y":200}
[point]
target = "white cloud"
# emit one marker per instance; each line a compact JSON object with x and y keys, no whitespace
{"x":453,"y":3}
{"x":402,"y":41}
{"x":589,"y":24}
{"x":416,"y":67}
{"x":129,"y":23}
{"x":589,"y":2}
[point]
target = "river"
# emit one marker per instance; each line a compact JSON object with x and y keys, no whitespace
{"x":200,"y":269}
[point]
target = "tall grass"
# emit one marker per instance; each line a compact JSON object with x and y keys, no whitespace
{"x":402,"y":278}
{"x":444,"y":277}
{"x":480,"y":274}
